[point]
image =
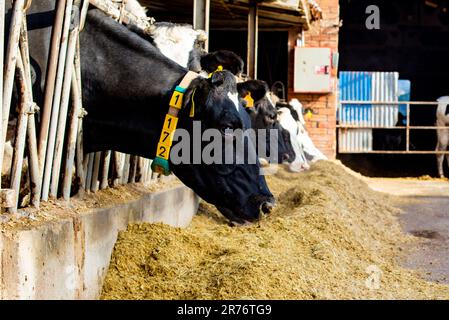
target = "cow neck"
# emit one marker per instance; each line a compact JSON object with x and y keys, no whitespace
{"x":160,"y":163}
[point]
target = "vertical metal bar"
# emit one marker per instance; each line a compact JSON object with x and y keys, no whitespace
{"x":60,"y":133}
{"x":50,"y":83}
{"x":71,"y":138}
{"x":19,"y":146}
{"x":89,"y":168}
{"x":56,"y":102}
{"x":80,"y":172}
{"x":253,"y":26}
{"x":105,"y":172}
{"x":118,"y":158}
{"x":9,"y":70}
{"x":35,"y":184}
{"x":96,"y":170}
{"x":132,"y":169}
{"x":126,"y":169}
{"x":201,"y":17}
{"x":408,"y":128}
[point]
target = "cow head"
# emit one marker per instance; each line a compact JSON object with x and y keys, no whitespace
{"x":237,"y":190}
{"x":227,"y":59}
{"x":256,"y":97}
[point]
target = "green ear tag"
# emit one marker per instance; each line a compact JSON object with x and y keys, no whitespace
{"x":160,"y":165}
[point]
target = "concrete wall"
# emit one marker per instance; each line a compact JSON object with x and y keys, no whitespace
{"x":323,"y":33}
{"x":68,"y":259}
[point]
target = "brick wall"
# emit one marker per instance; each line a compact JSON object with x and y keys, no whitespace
{"x":324,"y":33}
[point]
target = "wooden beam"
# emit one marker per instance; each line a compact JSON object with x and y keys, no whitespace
{"x":253,"y":26}
{"x":201,"y":17}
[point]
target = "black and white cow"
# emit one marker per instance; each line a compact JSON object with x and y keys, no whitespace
{"x":442,"y":134}
{"x":291,"y":117}
{"x":127,"y":84}
{"x":264,"y":117}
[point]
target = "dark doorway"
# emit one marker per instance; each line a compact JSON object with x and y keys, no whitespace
{"x":414,"y":40}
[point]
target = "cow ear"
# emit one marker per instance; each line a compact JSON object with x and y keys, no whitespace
{"x":217,"y":78}
{"x":257,"y":88}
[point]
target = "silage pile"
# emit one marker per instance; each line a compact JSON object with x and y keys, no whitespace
{"x":330,"y":237}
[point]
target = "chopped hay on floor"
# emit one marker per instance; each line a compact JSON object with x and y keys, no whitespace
{"x":330,"y":237}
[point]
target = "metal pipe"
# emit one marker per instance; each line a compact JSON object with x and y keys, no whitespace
{"x":56,"y":102}
{"x":96,"y":170}
{"x":50,"y":83}
{"x":105,"y":171}
{"x":35,"y":184}
{"x":201,"y":17}
{"x":253,"y":25}
{"x":9,"y":69}
{"x":19,"y":146}
{"x":90,"y":165}
{"x":62,"y":120}
{"x":71,"y":138}
{"x":414,"y":103}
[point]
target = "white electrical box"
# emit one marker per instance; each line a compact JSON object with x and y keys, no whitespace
{"x":313,"y":70}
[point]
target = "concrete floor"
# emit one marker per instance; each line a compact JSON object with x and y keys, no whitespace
{"x":426,"y":215}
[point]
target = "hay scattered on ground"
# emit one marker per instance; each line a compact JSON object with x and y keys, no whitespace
{"x":330,"y":237}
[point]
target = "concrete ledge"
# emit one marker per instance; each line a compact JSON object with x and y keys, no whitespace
{"x":68,"y":259}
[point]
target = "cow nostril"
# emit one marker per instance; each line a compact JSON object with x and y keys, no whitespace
{"x":267,"y":207}
{"x":285,"y":157}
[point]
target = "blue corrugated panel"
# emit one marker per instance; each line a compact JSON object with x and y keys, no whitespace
{"x":355,"y":86}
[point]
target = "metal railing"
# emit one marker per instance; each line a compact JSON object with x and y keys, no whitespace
{"x":54,"y":149}
{"x":344,"y":125}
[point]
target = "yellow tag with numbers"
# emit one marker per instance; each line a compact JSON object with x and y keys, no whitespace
{"x":249,"y":100}
{"x":163,"y":151}
{"x":176,"y":100}
{"x":170,"y":123}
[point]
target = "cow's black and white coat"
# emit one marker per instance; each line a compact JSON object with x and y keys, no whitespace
{"x":442,"y":134}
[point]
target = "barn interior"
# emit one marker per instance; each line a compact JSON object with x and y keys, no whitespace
{"x":412,"y":40}
{"x":229,"y":30}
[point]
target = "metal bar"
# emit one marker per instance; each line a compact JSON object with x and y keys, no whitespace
{"x":118,"y":158}
{"x":63,"y":109}
{"x":50,"y":83}
{"x":80,"y":172}
{"x":71,"y":138}
{"x":126,"y":166}
{"x":89,"y":169}
{"x":253,"y":24}
{"x":56,"y":102}
{"x":408,"y":129}
{"x":35,"y":185}
{"x":132,"y":169}
{"x":9,"y":69}
{"x":105,"y":172}
{"x":95,"y":184}
{"x":201,"y":18}
{"x":19,"y":146}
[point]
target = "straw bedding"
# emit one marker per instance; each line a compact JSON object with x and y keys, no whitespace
{"x":330,"y":237}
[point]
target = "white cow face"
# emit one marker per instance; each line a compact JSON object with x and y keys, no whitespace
{"x":291,"y":125}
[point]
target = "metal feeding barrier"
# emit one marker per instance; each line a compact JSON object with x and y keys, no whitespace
{"x":352,"y":122}
{"x":52,"y":147}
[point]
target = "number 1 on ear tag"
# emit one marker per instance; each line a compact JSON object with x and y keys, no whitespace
{"x":176,"y":100}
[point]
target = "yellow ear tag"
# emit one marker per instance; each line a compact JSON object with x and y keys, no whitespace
{"x":309,"y":114}
{"x":249,"y":100}
{"x":219,"y":68}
